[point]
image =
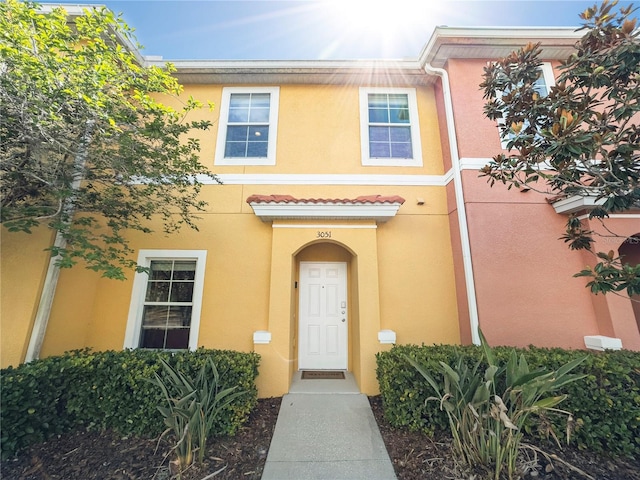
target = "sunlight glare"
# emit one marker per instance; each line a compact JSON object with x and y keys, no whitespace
{"x":382,"y":23}
{"x":374,"y":15}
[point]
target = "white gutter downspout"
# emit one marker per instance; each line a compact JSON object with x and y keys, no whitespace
{"x":53,"y":270}
{"x":462,"y":211}
{"x":45,"y":303}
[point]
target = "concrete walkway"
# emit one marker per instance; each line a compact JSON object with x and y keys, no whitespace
{"x":326,"y":431}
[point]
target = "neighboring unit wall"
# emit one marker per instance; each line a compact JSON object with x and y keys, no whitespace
{"x":523,"y":273}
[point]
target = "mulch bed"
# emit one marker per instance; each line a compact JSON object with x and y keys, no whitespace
{"x":417,"y":456}
{"x":108,"y":456}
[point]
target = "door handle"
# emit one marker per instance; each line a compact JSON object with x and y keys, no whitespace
{"x":344,"y":320}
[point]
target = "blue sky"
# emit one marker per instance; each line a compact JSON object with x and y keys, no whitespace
{"x":319,"y":29}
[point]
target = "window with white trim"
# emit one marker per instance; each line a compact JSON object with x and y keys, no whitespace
{"x":165,"y":303}
{"x":542,"y":85}
{"x":248,"y":125}
{"x":389,"y":128}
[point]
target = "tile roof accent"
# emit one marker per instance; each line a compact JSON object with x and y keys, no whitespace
{"x":364,"y":199}
{"x":380,"y":208}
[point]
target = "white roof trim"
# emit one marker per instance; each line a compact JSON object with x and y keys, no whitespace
{"x":380,"y":212}
{"x":495,"y":42}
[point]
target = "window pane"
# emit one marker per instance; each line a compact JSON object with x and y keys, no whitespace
{"x":401,"y":150}
{"x":257,"y":149}
{"x":238,"y":115}
{"x":182,"y":292}
{"x":399,"y":115}
{"x":377,"y":115}
{"x":179,"y":316}
{"x":237,"y":133}
{"x":258,"y":133}
{"x":259,"y":115}
{"x":184,"y":270}
{"x":160,"y":270}
{"x":400,"y":134}
{"x":157,"y":292}
{"x":379,"y":150}
{"x":155,"y":316}
{"x":540,"y":86}
{"x":378,"y":100}
{"x":379,"y":134}
{"x":240,"y":100}
{"x":235,"y":149}
{"x":177,"y":338}
{"x":399,"y":100}
{"x":152,"y":338}
{"x":260,"y":100}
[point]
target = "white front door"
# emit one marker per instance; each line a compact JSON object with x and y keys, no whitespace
{"x":322,"y":338}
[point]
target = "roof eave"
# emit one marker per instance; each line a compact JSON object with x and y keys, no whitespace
{"x":381,"y":72}
{"x":495,"y":42}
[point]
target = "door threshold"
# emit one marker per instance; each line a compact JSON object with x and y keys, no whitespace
{"x":347,"y":385}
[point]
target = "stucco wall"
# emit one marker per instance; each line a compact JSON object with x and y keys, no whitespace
{"x":526,"y":293}
{"x":400,"y":272}
{"x":23,"y":263}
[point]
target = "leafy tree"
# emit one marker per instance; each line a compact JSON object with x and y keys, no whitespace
{"x":583,"y":138}
{"x":87,"y":148}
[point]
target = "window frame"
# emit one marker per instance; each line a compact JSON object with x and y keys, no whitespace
{"x":225,"y":102}
{"x":414,"y":125}
{"x":549,"y":81}
{"x":136,"y":307}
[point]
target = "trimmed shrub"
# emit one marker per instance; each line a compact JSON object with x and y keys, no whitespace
{"x":109,"y":390}
{"x":605,"y":404}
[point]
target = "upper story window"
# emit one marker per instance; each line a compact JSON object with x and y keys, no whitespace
{"x":542,"y":85}
{"x":248,"y":126}
{"x":165,"y":304}
{"x":389,"y":129}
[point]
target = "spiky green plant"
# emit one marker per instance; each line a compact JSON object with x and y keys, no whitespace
{"x":487,"y":425}
{"x":191,"y":407}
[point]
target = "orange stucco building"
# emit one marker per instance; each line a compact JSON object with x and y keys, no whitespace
{"x":350,"y":217}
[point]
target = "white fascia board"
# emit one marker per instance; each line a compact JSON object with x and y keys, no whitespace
{"x":576,"y":203}
{"x":278,"y":72}
{"x":491,"y":38}
{"x":289,"y":66}
{"x":379,"y":212}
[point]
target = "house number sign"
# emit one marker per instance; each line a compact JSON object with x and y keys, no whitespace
{"x":325,"y":234}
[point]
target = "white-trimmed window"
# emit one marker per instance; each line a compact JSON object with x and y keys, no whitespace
{"x":542,"y":85}
{"x":248,"y":126}
{"x":165,"y":303}
{"x":389,"y":128}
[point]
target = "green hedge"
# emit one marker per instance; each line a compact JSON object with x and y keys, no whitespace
{"x":605,"y":404}
{"x":108,"y":390}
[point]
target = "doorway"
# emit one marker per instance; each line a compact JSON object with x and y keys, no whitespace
{"x":323,"y":316}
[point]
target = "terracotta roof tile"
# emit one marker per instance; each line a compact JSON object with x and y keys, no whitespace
{"x":372,"y":199}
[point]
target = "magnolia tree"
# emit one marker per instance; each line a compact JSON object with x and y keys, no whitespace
{"x":583,"y":138}
{"x":86,"y":146}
